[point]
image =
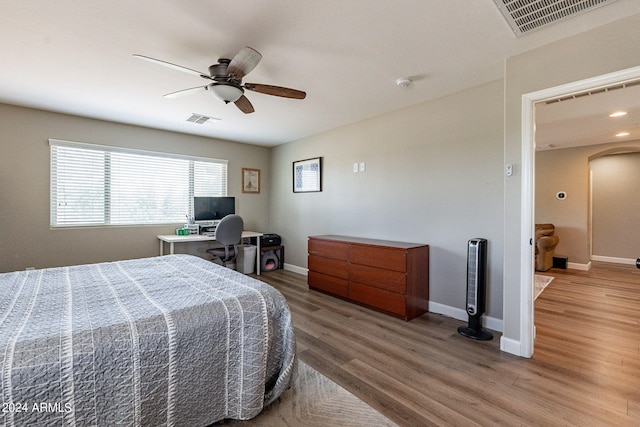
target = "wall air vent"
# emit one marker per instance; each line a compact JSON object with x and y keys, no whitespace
{"x":200,"y":119}
{"x":527,"y":15}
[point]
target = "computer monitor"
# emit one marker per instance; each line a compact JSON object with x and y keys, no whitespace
{"x":207,"y":209}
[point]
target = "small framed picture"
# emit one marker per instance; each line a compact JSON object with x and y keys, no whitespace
{"x":250,"y":180}
{"x":307,"y":175}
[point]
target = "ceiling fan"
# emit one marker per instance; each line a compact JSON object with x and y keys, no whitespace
{"x":226,"y":80}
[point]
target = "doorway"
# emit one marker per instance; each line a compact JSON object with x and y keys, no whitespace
{"x":527,"y":330}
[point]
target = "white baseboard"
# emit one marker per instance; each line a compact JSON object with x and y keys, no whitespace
{"x":296,"y":269}
{"x":434,"y":307}
{"x":509,"y":345}
{"x":460,"y":314}
{"x":613,"y":260}
{"x":576,"y":266}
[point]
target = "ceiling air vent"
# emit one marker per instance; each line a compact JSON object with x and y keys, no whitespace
{"x":200,"y":119}
{"x":527,"y":15}
{"x":593,"y":92}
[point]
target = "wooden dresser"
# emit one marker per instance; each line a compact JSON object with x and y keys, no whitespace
{"x":392,"y":277}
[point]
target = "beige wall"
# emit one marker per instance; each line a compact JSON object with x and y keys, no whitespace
{"x":606,"y":49}
{"x":616,"y":206}
{"x":433,"y":175}
{"x":568,"y":170}
{"x":27,"y":240}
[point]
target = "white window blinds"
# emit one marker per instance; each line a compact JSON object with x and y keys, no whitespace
{"x":100,"y":185}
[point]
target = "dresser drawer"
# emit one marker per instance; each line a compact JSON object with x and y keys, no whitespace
{"x":390,"y":259}
{"x":333,"y":250}
{"x":392,"y":277}
{"x":332,"y":267}
{"x":330,"y":284}
{"x":392,"y":281}
{"x":378,"y":298}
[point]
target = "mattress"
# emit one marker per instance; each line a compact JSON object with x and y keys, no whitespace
{"x":172,"y":340}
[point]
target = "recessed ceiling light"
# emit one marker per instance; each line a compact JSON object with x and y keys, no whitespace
{"x":618,"y":114}
{"x":621,"y":134}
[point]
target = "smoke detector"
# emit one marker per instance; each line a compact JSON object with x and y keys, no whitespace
{"x":403,"y":82}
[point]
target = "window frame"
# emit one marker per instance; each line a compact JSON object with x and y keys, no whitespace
{"x":107,"y":151}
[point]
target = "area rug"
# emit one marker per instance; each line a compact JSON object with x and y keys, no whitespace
{"x":315,"y":400}
{"x":540,"y":283}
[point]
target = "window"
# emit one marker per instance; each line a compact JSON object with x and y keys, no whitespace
{"x":100,"y":185}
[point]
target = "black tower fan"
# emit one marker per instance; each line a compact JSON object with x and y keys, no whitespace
{"x":476,"y":290}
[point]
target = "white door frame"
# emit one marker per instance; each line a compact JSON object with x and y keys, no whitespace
{"x":527,"y":331}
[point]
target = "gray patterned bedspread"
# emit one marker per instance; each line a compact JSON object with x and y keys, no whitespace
{"x":173,"y":340}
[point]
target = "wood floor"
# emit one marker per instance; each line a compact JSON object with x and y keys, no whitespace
{"x":585,"y":370}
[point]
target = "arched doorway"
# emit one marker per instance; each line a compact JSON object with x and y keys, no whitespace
{"x":614,"y":207}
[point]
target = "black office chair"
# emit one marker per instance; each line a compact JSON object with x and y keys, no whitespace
{"x":228,"y":234}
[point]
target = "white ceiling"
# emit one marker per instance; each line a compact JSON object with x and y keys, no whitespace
{"x":76,"y":57}
{"x":584,"y":120}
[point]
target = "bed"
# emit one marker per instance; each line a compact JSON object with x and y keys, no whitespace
{"x":171,"y":340}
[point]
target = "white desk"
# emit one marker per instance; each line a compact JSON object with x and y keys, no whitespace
{"x":171,"y":239}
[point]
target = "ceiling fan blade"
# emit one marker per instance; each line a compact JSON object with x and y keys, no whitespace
{"x":244,"y":105}
{"x":244,"y":61}
{"x":284,"y":92}
{"x":173,"y":66}
{"x":186,"y":92}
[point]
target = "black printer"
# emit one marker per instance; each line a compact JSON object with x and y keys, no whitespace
{"x":268,"y":239}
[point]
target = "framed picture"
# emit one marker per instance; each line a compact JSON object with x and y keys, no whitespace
{"x":250,"y":180}
{"x":307,"y":175}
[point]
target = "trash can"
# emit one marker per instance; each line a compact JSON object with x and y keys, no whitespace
{"x":246,"y":259}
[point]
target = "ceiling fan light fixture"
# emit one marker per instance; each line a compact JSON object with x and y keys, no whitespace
{"x":226,"y":77}
{"x":226,"y":92}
